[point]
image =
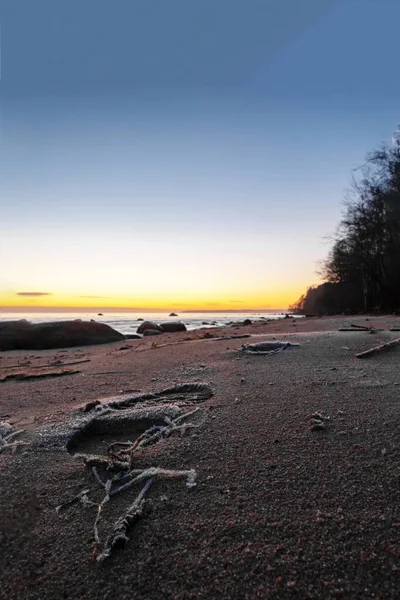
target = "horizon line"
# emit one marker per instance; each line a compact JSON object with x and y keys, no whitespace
{"x":22,"y":309}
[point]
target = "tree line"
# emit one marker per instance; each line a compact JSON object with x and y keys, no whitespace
{"x":362,"y":270}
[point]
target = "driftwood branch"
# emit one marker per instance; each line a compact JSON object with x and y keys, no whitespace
{"x":29,"y":376}
{"x":120,"y":458}
{"x":7,"y":435}
{"x":353,"y":329}
{"x":379,"y":348}
{"x":121,"y":527}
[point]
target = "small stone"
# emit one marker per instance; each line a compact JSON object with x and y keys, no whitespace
{"x":318,"y":426}
{"x":91,"y":405}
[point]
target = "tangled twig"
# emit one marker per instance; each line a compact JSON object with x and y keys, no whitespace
{"x":148,"y":438}
{"x":120,"y":529}
{"x":266,"y":348}
{"x":7,"y":435}
{"x":119,"y":459}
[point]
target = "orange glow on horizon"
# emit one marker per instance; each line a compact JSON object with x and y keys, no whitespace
{"x":275,"y":299}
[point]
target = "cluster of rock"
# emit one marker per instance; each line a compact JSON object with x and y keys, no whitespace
{"x":150,"y":328}
{"x":23,"y":335}
{"x":239,"y":323}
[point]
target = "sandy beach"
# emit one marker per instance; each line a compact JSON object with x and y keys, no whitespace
{"x":281,"y":508}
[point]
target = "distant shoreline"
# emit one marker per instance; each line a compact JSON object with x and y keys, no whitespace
{"x":58,"y":309}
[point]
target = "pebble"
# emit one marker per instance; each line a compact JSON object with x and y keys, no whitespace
{"x":318,"y":427}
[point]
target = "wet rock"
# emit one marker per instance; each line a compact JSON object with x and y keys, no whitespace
{"x":149,"y":325}
{"x":173,"y":315}
{"x":22,"y":335}
{"x":247,"y":322}
{"x":173,"y":327}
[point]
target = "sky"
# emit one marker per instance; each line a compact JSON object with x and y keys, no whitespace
{"x":184,"y":154}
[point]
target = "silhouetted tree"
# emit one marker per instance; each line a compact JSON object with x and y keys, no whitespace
{"x":365,"y":257}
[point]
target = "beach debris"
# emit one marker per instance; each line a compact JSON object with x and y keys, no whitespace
{"x":186,"y":392}
{"x":267,"y":348}
{"x":59,"y":363}
{"x":54,"y":363}
{"x":7,"y":436}
{"x":80,"y":497}
{"x":239,"y":336}
{"x":90,"y":405}
{"x":318,"y":426}
{"x":319,"y":421}
{"x":119,"y":459}
{"x":112,"y":487}
{"x":119,"y":533}
{"x":121,"y":454}
{"x":377,"y":349}
{"x":30,"y":376}
{"x":359,"y":328}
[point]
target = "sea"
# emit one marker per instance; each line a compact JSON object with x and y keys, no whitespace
{"x":128,"y":322}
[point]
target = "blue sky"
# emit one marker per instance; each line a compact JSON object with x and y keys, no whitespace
{"x":183,"y":153}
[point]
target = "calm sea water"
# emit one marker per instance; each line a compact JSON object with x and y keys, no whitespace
{"x":128,"y":322}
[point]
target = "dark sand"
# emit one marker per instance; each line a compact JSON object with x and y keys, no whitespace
{"x":278,"y":511}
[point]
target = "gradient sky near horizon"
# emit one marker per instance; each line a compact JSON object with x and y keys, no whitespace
{"x":184,"y":154}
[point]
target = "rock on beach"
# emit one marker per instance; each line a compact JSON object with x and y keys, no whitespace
{"x":23,"y":335}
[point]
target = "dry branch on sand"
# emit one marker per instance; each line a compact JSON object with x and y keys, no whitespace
{"x":266,"y":348}
{"x":358,"y":329}
{"x":380,"y":348}
{"x":7,"y":435}
{"x":28,"y":376}
{"x":119,"y":459}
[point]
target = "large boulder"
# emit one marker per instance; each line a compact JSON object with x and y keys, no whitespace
{"x":148,"y":325}
{"x":173,"y":326}
{"x":22,"y":335}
